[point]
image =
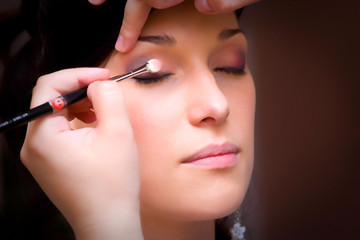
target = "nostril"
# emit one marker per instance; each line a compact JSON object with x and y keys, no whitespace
{"x":208,"y":120}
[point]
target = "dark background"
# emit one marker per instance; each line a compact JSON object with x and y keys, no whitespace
{"x":304,"y":56}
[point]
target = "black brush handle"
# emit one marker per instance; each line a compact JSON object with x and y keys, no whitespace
{"x":75,"y":96}
{"x":26,"y":117}
{"x":59,"y":103}
{"x":46,"y":108}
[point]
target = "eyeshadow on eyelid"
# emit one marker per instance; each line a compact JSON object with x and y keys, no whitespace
{"x":140,"y":60}
{"x":137,"y":63}
{"x":230,"y":58}
{"x":239,"y":59}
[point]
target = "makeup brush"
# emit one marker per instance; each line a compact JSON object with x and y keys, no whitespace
{"x":61,"y":102}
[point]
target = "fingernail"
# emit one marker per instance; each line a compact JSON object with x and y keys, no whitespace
{"x":175,"y":2}
{"x":120,"y":44}
{"x":94,"y":2}
{"x":205,"y":6}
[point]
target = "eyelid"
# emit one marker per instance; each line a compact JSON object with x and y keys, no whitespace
{"x":151,"y":78}
{"x":231,"y":70}
{"x":137,"y":64}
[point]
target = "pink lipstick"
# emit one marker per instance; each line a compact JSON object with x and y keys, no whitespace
{"x":214,"y":156}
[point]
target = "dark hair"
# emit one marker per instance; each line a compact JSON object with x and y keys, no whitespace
{"x":62,"y":34}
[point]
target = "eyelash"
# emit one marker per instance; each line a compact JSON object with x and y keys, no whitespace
{"x":237,"y":71}
{"x":152,"y":78}
{"x":155,"y":78}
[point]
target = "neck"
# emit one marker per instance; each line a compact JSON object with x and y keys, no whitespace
{"x":158,"y":228}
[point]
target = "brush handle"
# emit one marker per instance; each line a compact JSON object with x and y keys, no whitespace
{"x":68,"y":99}
{"x":26,"y":117}
{"x":46,"y":108}
{"x":61,"y":102}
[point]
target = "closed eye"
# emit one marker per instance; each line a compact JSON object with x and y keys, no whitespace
{"x":152,"y":78}
{"x":231,"y":70}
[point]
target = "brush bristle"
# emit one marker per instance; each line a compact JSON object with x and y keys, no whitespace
{"x":154,"y":65}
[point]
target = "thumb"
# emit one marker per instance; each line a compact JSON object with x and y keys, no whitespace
{"x":96,"y":2}
{"x":135,"y":15}
{"x":216,"y":6}
{"x":110,"y":110}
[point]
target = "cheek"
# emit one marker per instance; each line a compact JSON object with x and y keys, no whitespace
{"x":154,"y":124}
{"x":146,"y":122}
{"x":241,"y":98}
{"x":153,"y":119}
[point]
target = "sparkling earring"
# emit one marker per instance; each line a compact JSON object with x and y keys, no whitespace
{"x":237,"y":231}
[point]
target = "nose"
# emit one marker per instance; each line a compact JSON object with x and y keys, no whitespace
{"x":207,"y":104}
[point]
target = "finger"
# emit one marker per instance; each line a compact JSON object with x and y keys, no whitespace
{"x":65,"y":81}
{"x":82,"y":110}
{"x":53,"y":85}
{"x":86,"y":117}
{"x":221,"y":6}
{"x":161,"y":4}
{"x":81,"y":106}
{"x":96,"y":2}
{"x":135,"y":15}
{"x":109,"y":107}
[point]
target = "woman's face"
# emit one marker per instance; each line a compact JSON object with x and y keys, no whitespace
{"x":192,"y":121}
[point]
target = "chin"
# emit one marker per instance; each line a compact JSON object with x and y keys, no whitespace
{"x":224,"y":205}
{"x":199,"y":207}
{"x":215,"y":205}
{"x":223,"y":196}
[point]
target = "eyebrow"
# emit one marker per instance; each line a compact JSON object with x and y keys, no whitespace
{"x":167,"y":40}
{"x":228,"y":33}
{"x":164,"y":40}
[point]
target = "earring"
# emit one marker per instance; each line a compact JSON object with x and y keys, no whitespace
{"x":237,"y":231}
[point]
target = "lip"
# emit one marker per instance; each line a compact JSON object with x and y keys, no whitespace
{"x":214,"y":156}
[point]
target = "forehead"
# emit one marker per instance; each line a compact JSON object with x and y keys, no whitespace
{"x":184,"y":17}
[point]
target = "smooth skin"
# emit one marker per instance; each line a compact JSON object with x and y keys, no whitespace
{"x":137,"y":11}
{"x":126,"y":176}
